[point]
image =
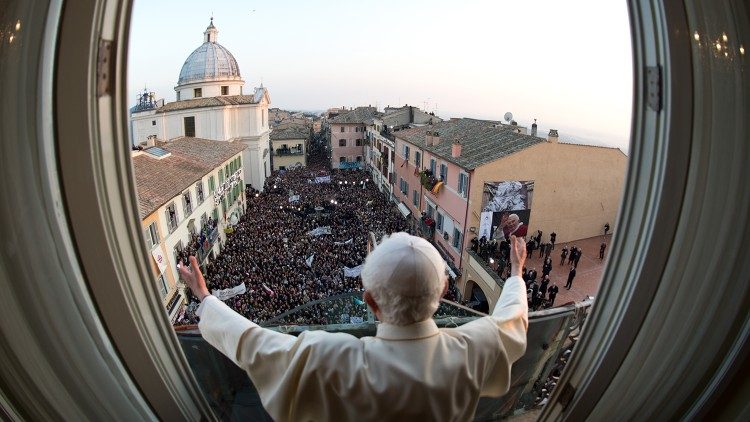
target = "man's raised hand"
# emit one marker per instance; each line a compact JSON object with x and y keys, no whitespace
{"x":194,"y":278}
{"x":517,"y":255}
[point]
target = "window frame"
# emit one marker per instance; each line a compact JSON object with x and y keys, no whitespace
{"x":463,"y":184}
{"x":200,"y":195}
{"x":656,"y":187}
{"x":342,"y":143}
{"x":152,"y":235}
{"x":197,"y":92}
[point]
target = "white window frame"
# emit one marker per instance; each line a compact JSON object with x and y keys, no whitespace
{"x":151,"y":233}
{"x":161,"y":281}
{"x":187,"y":203}
{"x":200,"y":195}
{"x":172,"y":226}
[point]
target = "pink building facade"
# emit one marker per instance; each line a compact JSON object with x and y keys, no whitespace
{"x":347,"y":145}
{"x":348,"y":133}
{"x":447,"y":207}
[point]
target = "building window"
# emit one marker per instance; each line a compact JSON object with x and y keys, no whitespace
{"x":415,"y":198}
{"x":197,"y":92}
{"x":177,"y":251}
{"x":189,"y":126}
{"x":342,"y":159}
{"x":199,"y":191}
{"x":178,"y":95}
{"x":342,"y":129}
{"x":417,"y":158}
{"x":358,"y":142}
{"x":215,"y":214}
{"x":172,"y":220}
{"x":404,"y":186}
{"x":456,"y":238}
{"x":463,"y":184}
{"x":211,"y":184}
{"x":163,"y":288}
{"x":433,"y":164}
{"x":187,"y":203}
{"x":153,"y":123}
{"x":430,"y":211}
{"x":152,"y":235}
{"x":225,"y":90}
{"x":282,"y":167}
{"x":342,"y":142}
{"x":204,"y":220}
{"x":439,"y":221}
{"x":406,"y":152}
{"x":444,"y":173}
{"x":359,"y":158}
{"x":221,"y":176}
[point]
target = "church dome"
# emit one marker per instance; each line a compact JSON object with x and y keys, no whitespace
{"x":209,"y":62}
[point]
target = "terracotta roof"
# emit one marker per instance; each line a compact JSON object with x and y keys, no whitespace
{"x":209,"y":102}
{"x":481,"y":141}
{"x":160,"y":180}
{"x":358,"y":115}
{"x":292,"y":131}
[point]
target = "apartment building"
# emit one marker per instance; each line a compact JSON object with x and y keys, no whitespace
{"x":189,"y":191}
{"x":444,"y":174}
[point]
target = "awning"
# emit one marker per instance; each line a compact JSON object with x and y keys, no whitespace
{"x":404,"y":209}
{"x":450,"y":271}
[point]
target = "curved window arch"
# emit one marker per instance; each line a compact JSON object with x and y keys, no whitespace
{"x":688,"y":158}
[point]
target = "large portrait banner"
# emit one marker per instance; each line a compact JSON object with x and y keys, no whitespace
{"x":506,"y":209}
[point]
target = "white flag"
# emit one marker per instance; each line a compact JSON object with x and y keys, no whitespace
{"x":344,"y":243}
{"x":309,"y":260}
{"x":353,"y":272}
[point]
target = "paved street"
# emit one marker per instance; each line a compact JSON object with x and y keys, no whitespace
{"x":588,"y":273}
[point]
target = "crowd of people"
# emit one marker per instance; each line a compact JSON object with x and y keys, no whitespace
{"x":294,"y":240}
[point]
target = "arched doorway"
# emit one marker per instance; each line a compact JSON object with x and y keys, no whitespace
{"x":476,"y":298}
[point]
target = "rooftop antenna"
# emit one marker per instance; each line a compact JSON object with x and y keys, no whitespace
{"x":508,"y":117}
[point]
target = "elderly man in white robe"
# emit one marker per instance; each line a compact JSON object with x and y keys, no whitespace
{"x":410,"y":369}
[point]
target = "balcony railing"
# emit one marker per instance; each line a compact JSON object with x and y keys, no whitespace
{"x":430,"y":182}
{"x":288,"y":151}
{"x":387,"y":135}
{"x":208,"y":244}
{"x":232,"y":394}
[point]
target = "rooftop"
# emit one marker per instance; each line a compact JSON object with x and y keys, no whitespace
{"x":362,"y":115}
{"x":291,"y":131}
{"x":226,"y":100}
{"x":482,"y":141}
{"x":159,"y":180}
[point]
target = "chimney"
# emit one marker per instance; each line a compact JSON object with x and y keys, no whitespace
{"x":552,"y":136}
{"x":151,"y":140}
{"x":435,"y":138}
{"x":428,"y":138}
{"x":533,"y":128}
{"x":456,"y":149}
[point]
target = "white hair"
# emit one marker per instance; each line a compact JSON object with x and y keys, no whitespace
{"x":396,"y":307}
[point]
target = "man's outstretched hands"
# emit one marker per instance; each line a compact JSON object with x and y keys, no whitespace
{"x":517,"y":255}
{"x":194,"y":278}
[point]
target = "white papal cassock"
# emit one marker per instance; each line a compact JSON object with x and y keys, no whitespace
{"x":404,"y":372}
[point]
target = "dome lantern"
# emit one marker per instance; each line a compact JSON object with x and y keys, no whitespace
{"x":211,"y":32}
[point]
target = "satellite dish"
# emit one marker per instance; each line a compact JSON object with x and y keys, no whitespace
{"x":508,"y":116}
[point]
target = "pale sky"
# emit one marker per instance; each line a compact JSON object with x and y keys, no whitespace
{"x":566,"y":63}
